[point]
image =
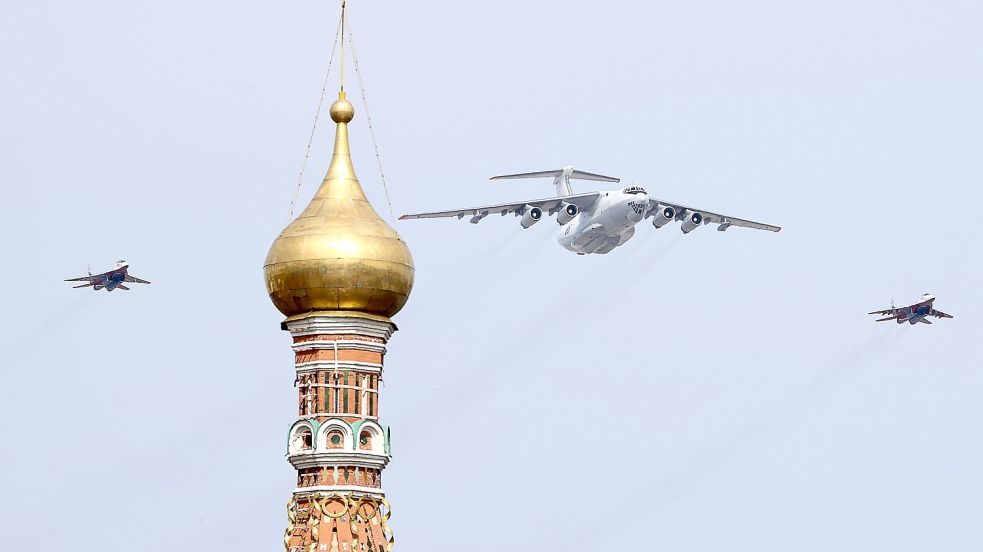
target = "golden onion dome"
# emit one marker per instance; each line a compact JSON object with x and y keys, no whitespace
{"x":338,"y":254}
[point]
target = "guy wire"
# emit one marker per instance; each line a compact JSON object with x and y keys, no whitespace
{"x":365,"y":103}
{"x":317,"y":114}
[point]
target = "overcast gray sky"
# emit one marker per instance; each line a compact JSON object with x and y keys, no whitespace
{"x":716,"y":391}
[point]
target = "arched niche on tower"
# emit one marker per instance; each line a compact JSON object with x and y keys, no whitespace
{"x":300,"y":439}
{"x":335,"y":434}
{"x":371,"y":437}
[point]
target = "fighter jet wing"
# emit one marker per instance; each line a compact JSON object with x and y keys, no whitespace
{"x":723,"y":221}
{"x":550,"y":205}
{"x":892,"y":312}
{"x":89,"y":278}
{"x":940,"y":314}
{"x":134,"y":279}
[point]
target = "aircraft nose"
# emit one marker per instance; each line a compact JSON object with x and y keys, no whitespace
{"x":637,"y":204}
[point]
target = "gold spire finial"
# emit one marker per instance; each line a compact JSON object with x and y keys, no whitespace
{"x":342,"y":112}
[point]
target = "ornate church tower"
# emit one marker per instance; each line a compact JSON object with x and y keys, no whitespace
{"x":338,"y":273}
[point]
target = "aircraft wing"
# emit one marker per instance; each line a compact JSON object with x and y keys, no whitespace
{"x":89,"y":278}
{"x":892,"y":312}
{"x":724,"y":221}
{"x":134,"y":279}
{"x":550,"y":205}
{"x":940,"y":314}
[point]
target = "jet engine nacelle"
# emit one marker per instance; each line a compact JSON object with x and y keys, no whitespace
{"x":530,"y":216}
{"x":567,"y":212}
{"x":664,"y":217}
{"x":693,"y":220}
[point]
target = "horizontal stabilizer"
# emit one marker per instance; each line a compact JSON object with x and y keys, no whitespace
{"x":883,"y":319}
{"x":540,"y":174}
{"x":568,"y":172}
{"x":925,"y":321}
{"x":581,"y":175}
{"x":121,"y":286}
{"x":83,"y":285}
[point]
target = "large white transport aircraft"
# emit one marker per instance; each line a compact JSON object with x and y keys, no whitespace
{"x":596,"y":222}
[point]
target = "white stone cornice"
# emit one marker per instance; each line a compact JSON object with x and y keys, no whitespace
{"x":326,"y":324}
{"x":336,"y":457}
{"x":342,"y":345}
{"x":354,"y":365}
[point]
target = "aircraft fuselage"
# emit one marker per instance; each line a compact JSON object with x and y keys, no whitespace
{"x":608,"y":223}
{"x":112,"y":280}
{"x":916,"y":313}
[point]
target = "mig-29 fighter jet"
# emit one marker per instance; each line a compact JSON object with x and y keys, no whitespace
{"x":109,"y":280}
{"x":913,"y":314}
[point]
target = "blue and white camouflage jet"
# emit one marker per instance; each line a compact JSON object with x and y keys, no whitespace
{"x":113,"y":279}
{"x":913,"y":314}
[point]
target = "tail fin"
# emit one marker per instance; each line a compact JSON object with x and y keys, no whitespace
{"x":561,"y":178}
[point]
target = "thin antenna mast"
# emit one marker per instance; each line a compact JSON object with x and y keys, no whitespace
{"x":342,"y":59}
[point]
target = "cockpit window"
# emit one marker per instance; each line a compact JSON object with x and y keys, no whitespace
{"x":634,"y":190}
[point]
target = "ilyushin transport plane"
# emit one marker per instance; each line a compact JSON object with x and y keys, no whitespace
{"x":110,"y":280}
{"x":596,"y":222}
{"x":913,"y":314}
